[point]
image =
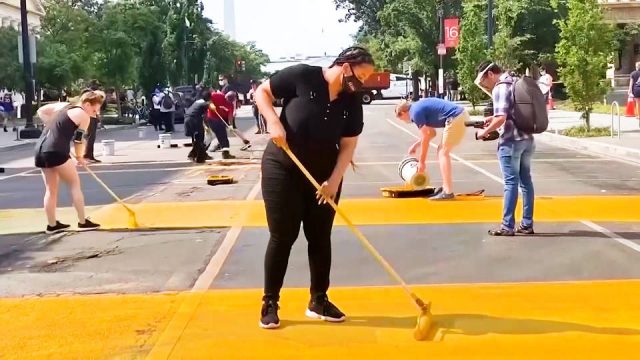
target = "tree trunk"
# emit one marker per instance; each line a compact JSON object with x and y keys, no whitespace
{"x":587,"y":120}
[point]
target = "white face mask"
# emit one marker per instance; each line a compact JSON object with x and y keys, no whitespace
{"x":542,"y":73}
{"x":221,"y":82}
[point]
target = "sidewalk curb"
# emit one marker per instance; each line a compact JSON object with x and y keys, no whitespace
{"x":594,"y":147}
{"x":26,"y":142}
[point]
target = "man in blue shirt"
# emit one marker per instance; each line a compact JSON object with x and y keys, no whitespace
{"x":429,"y":114}
{"x":515,"y":149}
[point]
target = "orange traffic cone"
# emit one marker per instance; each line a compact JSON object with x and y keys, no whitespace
{"x":631,"y":107}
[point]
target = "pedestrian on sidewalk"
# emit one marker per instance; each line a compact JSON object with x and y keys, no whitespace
{"x":65,"y":123}
{"x":321,"y":120}
{"x":194,"y":127}
{"x":92,"y":131}
{"x":260,"y":122}
{"x":429,"y":114}
{"x":167,"y":104}
{"x":515,"y":149}
{"x":155,"y":117}
{"x":634,"y":89}
{"x":8,"y":111}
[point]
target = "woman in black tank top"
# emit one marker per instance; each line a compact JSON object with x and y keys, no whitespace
{"x":65,"y":123}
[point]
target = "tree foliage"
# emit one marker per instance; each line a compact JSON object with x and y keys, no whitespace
{"x":131,"y":43}
{"x":586,"y":43}
{"x":472,"y":50}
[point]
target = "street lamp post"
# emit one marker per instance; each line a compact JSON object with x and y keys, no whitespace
{"x":29,"y":131}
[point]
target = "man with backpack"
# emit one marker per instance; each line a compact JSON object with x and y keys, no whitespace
{"x":167,"y":110}
{"x":519,"y":111}
{"x":634,"y":89}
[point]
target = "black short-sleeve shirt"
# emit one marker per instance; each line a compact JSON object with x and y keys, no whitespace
{"x":308,"y":116}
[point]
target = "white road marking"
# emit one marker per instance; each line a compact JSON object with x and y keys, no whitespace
{"x":628,"y":243}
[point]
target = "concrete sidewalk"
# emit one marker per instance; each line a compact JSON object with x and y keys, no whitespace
{"x":9,"y":140}
{"x":623,"y":143}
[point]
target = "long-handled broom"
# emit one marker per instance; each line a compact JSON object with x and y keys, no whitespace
{"x":421,"y":332}
{"x":132,"y":223}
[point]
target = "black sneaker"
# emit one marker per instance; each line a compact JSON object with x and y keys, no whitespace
{"x":227,"y":156}
{"x":321,"y":308}
{"x":501,"y":232}
{"x":269,"y":315}
{"x":525,"y":230}
{"x":88,"y":226}
{"x":59,"y":227}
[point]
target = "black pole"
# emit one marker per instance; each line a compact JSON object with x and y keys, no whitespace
{"x":441,"y":21}
{"x":489,"y":24}
{"x":30,"y":131}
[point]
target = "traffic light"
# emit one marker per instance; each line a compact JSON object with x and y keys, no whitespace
{"x":243,"y":67}
{"x":238,"y":65}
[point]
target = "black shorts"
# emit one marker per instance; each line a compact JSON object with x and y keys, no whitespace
{"x":48,"y":160}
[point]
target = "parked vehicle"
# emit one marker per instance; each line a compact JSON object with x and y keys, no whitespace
{"x":384,"y":85}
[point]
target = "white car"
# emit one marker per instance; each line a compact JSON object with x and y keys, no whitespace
{"x":401,"y":86}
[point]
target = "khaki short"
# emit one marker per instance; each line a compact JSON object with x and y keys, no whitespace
{"x":453,"y":132}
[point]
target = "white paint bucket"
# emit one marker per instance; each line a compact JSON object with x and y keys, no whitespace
{"x":108,"y":147}
{"x":408,"y":171}
{"x":165,"y":141}
{"x":141,"y":132}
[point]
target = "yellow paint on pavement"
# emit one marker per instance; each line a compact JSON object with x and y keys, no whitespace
{"x":18,"y":221}
{"x":574,"y":320}
{"x":223,"y":213}
{"x":83,"y":327}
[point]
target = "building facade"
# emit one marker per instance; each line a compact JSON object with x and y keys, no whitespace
{"x":10,"y":14}
{"x":623,"y":13}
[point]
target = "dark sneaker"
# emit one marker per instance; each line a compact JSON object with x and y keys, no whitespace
{"x":321,"y":308}
{"x":443,"y":196}
{"x":269,"y":315}
{"x":226,"y":155}
{"x":93,"y":160}
{"x":258,"y":131}
{"x":59,"y":227}
{"x":501,"y":232}
{"x":88,"y":226}
{"x":525,"y":230}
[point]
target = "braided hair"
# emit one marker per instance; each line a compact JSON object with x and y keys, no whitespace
{"x":356,"y":55}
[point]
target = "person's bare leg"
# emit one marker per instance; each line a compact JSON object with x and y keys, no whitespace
{"x":69,"y":174}
{"x":51,"y":181}
{"x":444,"y":158}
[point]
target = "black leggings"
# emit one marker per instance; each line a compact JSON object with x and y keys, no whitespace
{"x":290,"y":200}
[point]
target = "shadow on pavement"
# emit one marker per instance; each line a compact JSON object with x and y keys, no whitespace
{"x":474,"y":325}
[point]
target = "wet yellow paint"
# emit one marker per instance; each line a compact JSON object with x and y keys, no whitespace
{"x":581,"y":320}
{"x":361,"y":211}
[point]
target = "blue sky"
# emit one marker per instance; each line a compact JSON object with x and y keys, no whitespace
{"x":274,"y":28}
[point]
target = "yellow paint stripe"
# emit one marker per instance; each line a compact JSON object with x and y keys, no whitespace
{"x":362,"y":212}
{"x":581,"y":320}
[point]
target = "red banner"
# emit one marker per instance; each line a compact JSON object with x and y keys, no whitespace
{"x":451,"y":32}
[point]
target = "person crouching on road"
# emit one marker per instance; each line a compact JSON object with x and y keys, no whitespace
{"x":65,"y":123}
{"x":194,"y":118}
{"x":515,"y":149}
{"x":321,"y":120}
{"x":429,"y":114}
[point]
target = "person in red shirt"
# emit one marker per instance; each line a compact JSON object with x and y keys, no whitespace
{"x":219,"y":116}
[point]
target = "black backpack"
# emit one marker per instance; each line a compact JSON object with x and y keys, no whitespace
{"x":167,"y":102}
{"x":530,"y":113}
